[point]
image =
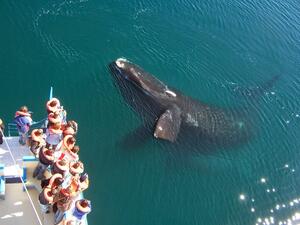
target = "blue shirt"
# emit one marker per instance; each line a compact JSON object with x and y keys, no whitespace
{"x":23,"y":123}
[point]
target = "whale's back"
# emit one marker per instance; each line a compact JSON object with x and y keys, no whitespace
{"x":216,"y":125}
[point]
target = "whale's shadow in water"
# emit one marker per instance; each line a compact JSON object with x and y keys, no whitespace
{"x":185,"y":155}
{"x":186,"y":143}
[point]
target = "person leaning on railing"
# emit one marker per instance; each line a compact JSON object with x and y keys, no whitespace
{"x":23,"y":121}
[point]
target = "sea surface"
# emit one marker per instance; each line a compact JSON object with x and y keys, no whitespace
{"x":211,"y":50}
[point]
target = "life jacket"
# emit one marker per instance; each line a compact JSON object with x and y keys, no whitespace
{"x":53,"y":105}
{"x":70,"y":128}
{"x":52,"y":180}
{"x":70,"y":156}
{"x":63,"y":200}
{"x":20,"y":113}
{"x":66,"y":145}
{"x":80,"y":211}
{"x":45,"y":159}
{"x":54,"y":118}
{"x":61,"y":169}
{"x":78,"y":169}
{"x":69,"y":131}
{"x":36,"y":141}
{"x":46,"y":196}
{"x":37,"y":135}
{"x":74,"y":187}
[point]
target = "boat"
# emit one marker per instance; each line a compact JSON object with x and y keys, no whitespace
{"x":19,"y":191}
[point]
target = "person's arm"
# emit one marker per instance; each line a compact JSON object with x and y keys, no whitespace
{"x":28,"y":120}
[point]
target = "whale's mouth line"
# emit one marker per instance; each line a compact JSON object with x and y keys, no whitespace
{"x":116,"y":68}
{"x":117,"y":72}
{"x":145,"y":82}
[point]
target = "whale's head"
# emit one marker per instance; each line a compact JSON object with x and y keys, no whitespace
{"x":149,"y":97}
{"x":130,"y":74}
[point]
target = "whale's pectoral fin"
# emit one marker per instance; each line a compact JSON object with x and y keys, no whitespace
{"x":168,"y":124}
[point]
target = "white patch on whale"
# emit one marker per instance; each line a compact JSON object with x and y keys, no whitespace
{"x":191,"y":120}
{"x":120,"y":62}
{"x":122,"y":59}
{"x":170,"y":93}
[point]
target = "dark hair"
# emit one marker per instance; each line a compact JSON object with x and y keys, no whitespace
{"x":39,"y":131}
{"x":58,"y":181}
{"x":83,"y":177}
{"x":24,"y":109}
{"x":76,"y":165}
{"x":75,"y":149}
{"x":45,"y":183}
{"x":49,"y":193}
{"x":84,"y":203}
{"x":48,"y":152}
{"x":71,"y":140}
{"x":53,"y":103}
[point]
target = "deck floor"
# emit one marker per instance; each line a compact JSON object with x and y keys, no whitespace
{"x":16,"y":208}
{"x":18,"y":151}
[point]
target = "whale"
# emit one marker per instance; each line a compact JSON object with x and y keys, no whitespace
{"x":173,"y":116}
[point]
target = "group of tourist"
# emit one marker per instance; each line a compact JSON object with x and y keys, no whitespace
{"x":59,"y":169}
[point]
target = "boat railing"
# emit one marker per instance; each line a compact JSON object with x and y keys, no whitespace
{"x":12,"y":129}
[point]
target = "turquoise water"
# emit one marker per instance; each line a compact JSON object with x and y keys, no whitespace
{"x":209,"y":50}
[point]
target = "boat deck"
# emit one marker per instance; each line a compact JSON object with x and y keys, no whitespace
{"x":15,"y":207}
{"x":18,"y":151}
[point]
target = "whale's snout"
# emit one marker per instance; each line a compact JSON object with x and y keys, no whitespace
{"x":119,"y":67}
{"x":124,"y":69}
{"x":120,"y":63}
